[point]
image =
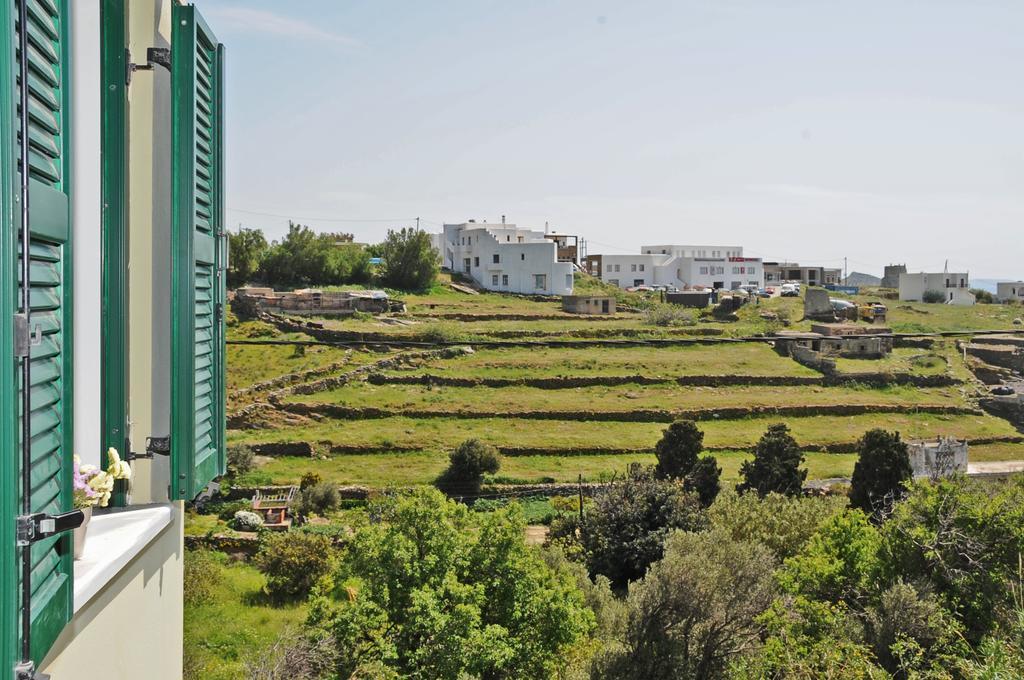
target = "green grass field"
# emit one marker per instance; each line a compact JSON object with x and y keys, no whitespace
{"x":430,"y":439}
{"x":236,"y":622}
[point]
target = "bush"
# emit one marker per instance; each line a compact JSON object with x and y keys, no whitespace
{"x":293,"y":563}
{"x":247,"y":521}
{"x":202,"y":576}
{"x":441,"y":333}
{"x":678,"y":449}
{"x":309,"y":479}
{"x":468,"y":464}
{"x":258,"y":329}
{"x":982,"y":296}
{"x":880,"y":472}
{"x":409,"y":260}
{"x":241,"y":459}
{"x":226,"y":510}
{"x":705,"y":480}
{"x":669,"y":315}
{"x":624,"y":531}
{"x":933,"y":296}
{"x":318,"y":499}
{"x":776,"y":464}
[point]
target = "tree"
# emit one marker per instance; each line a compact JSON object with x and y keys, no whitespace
{"x":705,"y":480}
{"x":776,"y":464}
{"x":247,"y":248}
{"x":294,"y":563}
{"x":624,"y":532}
{"x":678,"y":449}
{"x":305,"y":257}
{"x":409,"y":260}
{"x":695,"y":610}
{"x":439,"y":591}
{"x":881,"y":471}
{"x":964,"y":538}
{"x":784,"y":524}
{"x":467,"y":465}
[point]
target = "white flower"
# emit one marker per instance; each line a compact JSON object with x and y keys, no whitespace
{"x":117,"y":468}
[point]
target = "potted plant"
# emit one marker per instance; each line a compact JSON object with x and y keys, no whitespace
{"x":93,"y":487}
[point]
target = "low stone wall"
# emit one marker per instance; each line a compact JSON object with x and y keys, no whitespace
{"x":812,"y":360}
{"x":560,"y":382}
{"x":1006,"y":355}
{"x":292,"y":378}
{"x":637,"y":415}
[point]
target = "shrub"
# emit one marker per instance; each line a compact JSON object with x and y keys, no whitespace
{"x":669,"y":315}
{"x":468,"y":464}
{"x":309,"y":479}
{"x":293,"y":563}
{"x":776,"y":464}
{"x":982,"y":296}
{"x":247,"y":521}
{"x":409,"y":260}
{"x":293,"y":655}
{"x":624,"y":531}
{"x":880,"y":472}
{"x":933,"y":296}
{"x":258,"y":329}
{"x":442,"y":333}
{"x":318,"y":499}
{"x":241,"y":459}
{"x":226,"y":510}
{"x":678,"y":449}
{"x":202,"y":576}
{"x":298,"y":351}
{"x":705,"y":480}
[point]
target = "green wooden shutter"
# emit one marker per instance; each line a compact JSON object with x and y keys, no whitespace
{"x":50,"y":281}
{"x":197,"y":233}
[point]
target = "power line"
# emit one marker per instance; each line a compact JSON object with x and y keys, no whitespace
{"x":322,"y":219}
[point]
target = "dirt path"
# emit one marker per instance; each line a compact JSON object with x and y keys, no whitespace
{"x":536,"y":534}
{"x":1001,"y":467}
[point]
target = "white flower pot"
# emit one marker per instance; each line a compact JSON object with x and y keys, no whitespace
{"x":80,"y":533}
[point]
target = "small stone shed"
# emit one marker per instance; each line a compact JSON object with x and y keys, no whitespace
{"x":846,"y":340}
{"x":697,"y":299}
{"x":937,"y":458}
{"x":588,"y":304}
{"x":314,"y":301}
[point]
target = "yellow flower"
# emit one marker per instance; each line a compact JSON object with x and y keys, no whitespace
{"x":117,"y":468}
{"x":103,"y":484}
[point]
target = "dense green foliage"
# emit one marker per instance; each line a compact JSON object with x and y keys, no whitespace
{"x":304,"y":257}
{"x":776,"y":464}
{"x":695,"y":610}
{"x":881,"y":471}
{"x":318,"y":499}
{"x":467,"y":465}
{"x":705,"y":480}
{"x":624,"y":531}
{"x":678,"y":449}
{"x":438,"y":591}
{"x":294,"y":563}
{"x":409,"y":260}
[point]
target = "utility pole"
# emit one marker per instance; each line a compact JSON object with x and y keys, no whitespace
{"x":417,"y":224}
{"x":846,"y":272}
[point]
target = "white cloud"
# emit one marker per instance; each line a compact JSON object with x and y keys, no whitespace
{"x":262,"y":21}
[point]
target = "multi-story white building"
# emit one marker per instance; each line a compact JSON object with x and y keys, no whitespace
{"x":717,"y":267}
{"x":954,"y":287}
{"x":506,"y":258}
{"x":1008,"y":291}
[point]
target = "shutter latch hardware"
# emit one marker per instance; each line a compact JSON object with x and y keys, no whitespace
{"x":36,"y":527}
{"x":155,"y":446}
{"x":155,"y":56}
{"x":26,"y":670}
{"x":24,"y":340}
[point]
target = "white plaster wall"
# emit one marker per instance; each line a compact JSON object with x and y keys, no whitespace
{"x":133,"y":628}
{"x":149,"y":237}
{"x":519,"y":260}
{"x":913,"y":286}
{"x":86,"y":227}
{"x":1012,"y":290}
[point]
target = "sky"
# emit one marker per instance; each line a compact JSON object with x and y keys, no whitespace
{"x":884,"y":131}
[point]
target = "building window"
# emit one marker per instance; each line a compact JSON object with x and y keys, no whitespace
{"x":613,"y":282}
{"x":751,"y":270}
{"x":616,"y":267}
{"x":704,"y":270}
{"x":494,"y":279}
{"x":632,"y":268}
{"x":641,"y":267}
{"x":735,"y":270}
{"x":496,"y":258}
{"x":504,"y":279}
{"x":540,"y":281}
{"x":476,"y":261}
{"x":522,"y":256}
{"x":609,"y":268}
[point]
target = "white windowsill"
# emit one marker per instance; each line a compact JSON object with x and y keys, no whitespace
{"x":114,"y":539}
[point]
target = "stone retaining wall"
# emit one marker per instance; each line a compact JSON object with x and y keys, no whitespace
{"x":637,"y":415}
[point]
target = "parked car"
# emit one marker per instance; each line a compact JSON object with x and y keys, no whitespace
{"x":1003,"y":390}
{"x":765,"y":293}
{"x":841,"y":305}
{"x":789,"y":290}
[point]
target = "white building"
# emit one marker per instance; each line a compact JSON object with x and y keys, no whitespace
{"x":506,"y":258}
{"x":1008,"y":291}
{"x":954,"y":287}
{"x":718,"y":267}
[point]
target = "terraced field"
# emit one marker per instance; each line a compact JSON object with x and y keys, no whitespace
{"x":559,"y":412}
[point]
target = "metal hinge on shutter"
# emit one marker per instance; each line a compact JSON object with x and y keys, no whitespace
{"x":24,"y":340}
